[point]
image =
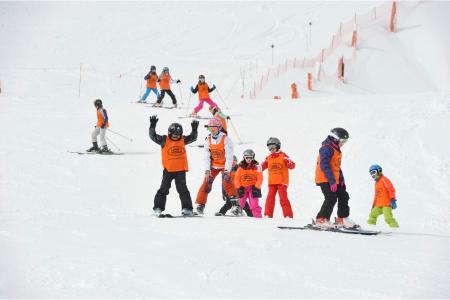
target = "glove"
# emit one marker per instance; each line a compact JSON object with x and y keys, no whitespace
{"x":333,"y":187}
{"x":214,"y":86}
{"x":209,"y":182}
{"x":153,"y":121}
{"x":103,"y":125}
{"x":342,"y":183}
{"x":228,"y":118}
{"x":178,"y":81}
{"x":394,"y":203}
{"x":192,"y":89}
{"x":256,"y":193}
{"x":241,"y":192}
{"x":226,"y":176}
{"x":194,"y":125}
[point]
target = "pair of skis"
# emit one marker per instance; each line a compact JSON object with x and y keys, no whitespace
{"x":313,"y":226}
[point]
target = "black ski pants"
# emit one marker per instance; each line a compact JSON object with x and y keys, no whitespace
{"x":340,"y":196}
{"x":170,"y":93}
{"x":228,"y":205}
{"x":180,"y":184}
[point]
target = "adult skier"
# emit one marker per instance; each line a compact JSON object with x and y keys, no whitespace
{"x":175,"y":164}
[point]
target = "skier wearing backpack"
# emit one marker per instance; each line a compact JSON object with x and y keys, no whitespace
{"x":218,"y":158}
{"x":100,"y":129}
{"x":278,"y":164}
{"x":384,"y":200}
{"x":203,"y":90}
{"x":248,"y":182}
{"x":151,"y":78}
{"x":175,"y":163}
{"x":164,"y":84}
{"x":330,"y":179}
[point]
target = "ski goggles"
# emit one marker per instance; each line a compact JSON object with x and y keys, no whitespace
{"x":374,"y":174}
{"x":342,"y":142}
{"x":272,"y":147}
{"x":248,"y":157}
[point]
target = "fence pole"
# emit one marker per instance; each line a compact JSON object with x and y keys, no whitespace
{"x":79,"y":81}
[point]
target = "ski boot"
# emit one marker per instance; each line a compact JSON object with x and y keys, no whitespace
{"x":219,"y":214}
{"x":94,"y":148}
{"x":193,"y":115}
{"x":105,"y":150}
{"x":200,"y":209}
{"x":157,"y":104}
{"x":175,"y":105}
{"x":237,"y":211}
{"x":157,"y":212}
{"x":186,"y":212}
{"x":346,"y":223}
{"x":322,"y":223}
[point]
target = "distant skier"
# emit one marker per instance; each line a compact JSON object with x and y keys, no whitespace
{"x":164,"y":84}
{"x":231,"y":199}
{"x":248,"y":182}
{"x":278,"y":164}
{"x":330,"y":179}
{"x":203,"y":95}
{"x":175,"y":163}
{"x":151,"y":78}
{"x":384,"y":200}
{"x":100,"y":130}
{"x":218,"y":158}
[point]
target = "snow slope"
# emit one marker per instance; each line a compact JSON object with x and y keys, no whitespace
{"x":81,"y":227}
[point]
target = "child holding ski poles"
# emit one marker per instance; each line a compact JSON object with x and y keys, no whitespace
{"x":100,"y":130}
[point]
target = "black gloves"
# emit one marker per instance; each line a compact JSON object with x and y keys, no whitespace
{"x":241,"y":192}
{"x":256,"y":193}
{"x":153,"y":121}
{"x":178,"y":81}
{"x":194,"y":125}
{"x":228,"y":118}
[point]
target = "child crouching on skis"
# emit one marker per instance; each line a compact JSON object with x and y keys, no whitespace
{"x":384,"y":200}
{"x":248,"y":181}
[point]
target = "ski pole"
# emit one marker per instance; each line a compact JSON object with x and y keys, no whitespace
{"x":226,"y":106}
{"x":181,"y":94}
{"x":235,"y":131}
{"x":115,"y":146}
{"x":125,"y":137}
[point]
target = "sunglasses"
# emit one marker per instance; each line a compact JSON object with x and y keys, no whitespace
{"x":272,"y":147}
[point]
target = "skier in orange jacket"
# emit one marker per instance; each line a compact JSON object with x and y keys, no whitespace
{"x":384,"y":200}
{"x":164,"y":84}
{"x":278,"y":164}
{"x":100,"y":130}
{"x":152,"y":79}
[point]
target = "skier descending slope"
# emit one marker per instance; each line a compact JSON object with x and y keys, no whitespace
{"x":174,"y":160}
{"x":164,"y":83}
{"x":330,"y":179}
{"x":100,"y":129}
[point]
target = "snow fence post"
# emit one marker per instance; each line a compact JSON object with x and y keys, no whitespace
{"x":393,"y":19}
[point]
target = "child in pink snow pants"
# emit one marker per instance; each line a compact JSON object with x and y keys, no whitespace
{"x":248,"y":180}
{"x":203,"y":94}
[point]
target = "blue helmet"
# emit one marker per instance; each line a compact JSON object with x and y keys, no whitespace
{"x":375,"y":168}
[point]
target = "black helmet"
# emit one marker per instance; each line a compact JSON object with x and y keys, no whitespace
{"x":152,"y":68}
{"x":274,"y":141}
{"x":175,"y":129}
{"x":339,"y":134}
{"x":201,"y":77}
{"x":249,"y":153}
{"x":165,"y":69}
{"x":98,"y":103}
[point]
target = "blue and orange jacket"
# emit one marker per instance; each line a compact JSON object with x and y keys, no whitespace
{"x":102,"y":118}
{"x":151,"y":78}
{"x":328,"y":166}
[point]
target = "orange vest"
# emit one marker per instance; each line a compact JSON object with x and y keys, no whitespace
{"x":164,"y":83}
{"x":203,"y":92}
{"x":100,"y":118}
{"x":278,"y":172}
{"x":384,"y":192}
{"x":335,"y":164}
{"x":217,"y":154}
{"x":173,"y":155}
{"x":248,"y":177}
{"x":151,"y":81}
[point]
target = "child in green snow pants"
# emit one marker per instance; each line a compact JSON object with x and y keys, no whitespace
{"x":388,"y":217}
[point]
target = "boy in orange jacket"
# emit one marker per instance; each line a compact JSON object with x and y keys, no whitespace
{"x":384,"y":200}
{"x":278,"y":165}
{"x":248,"y":181}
